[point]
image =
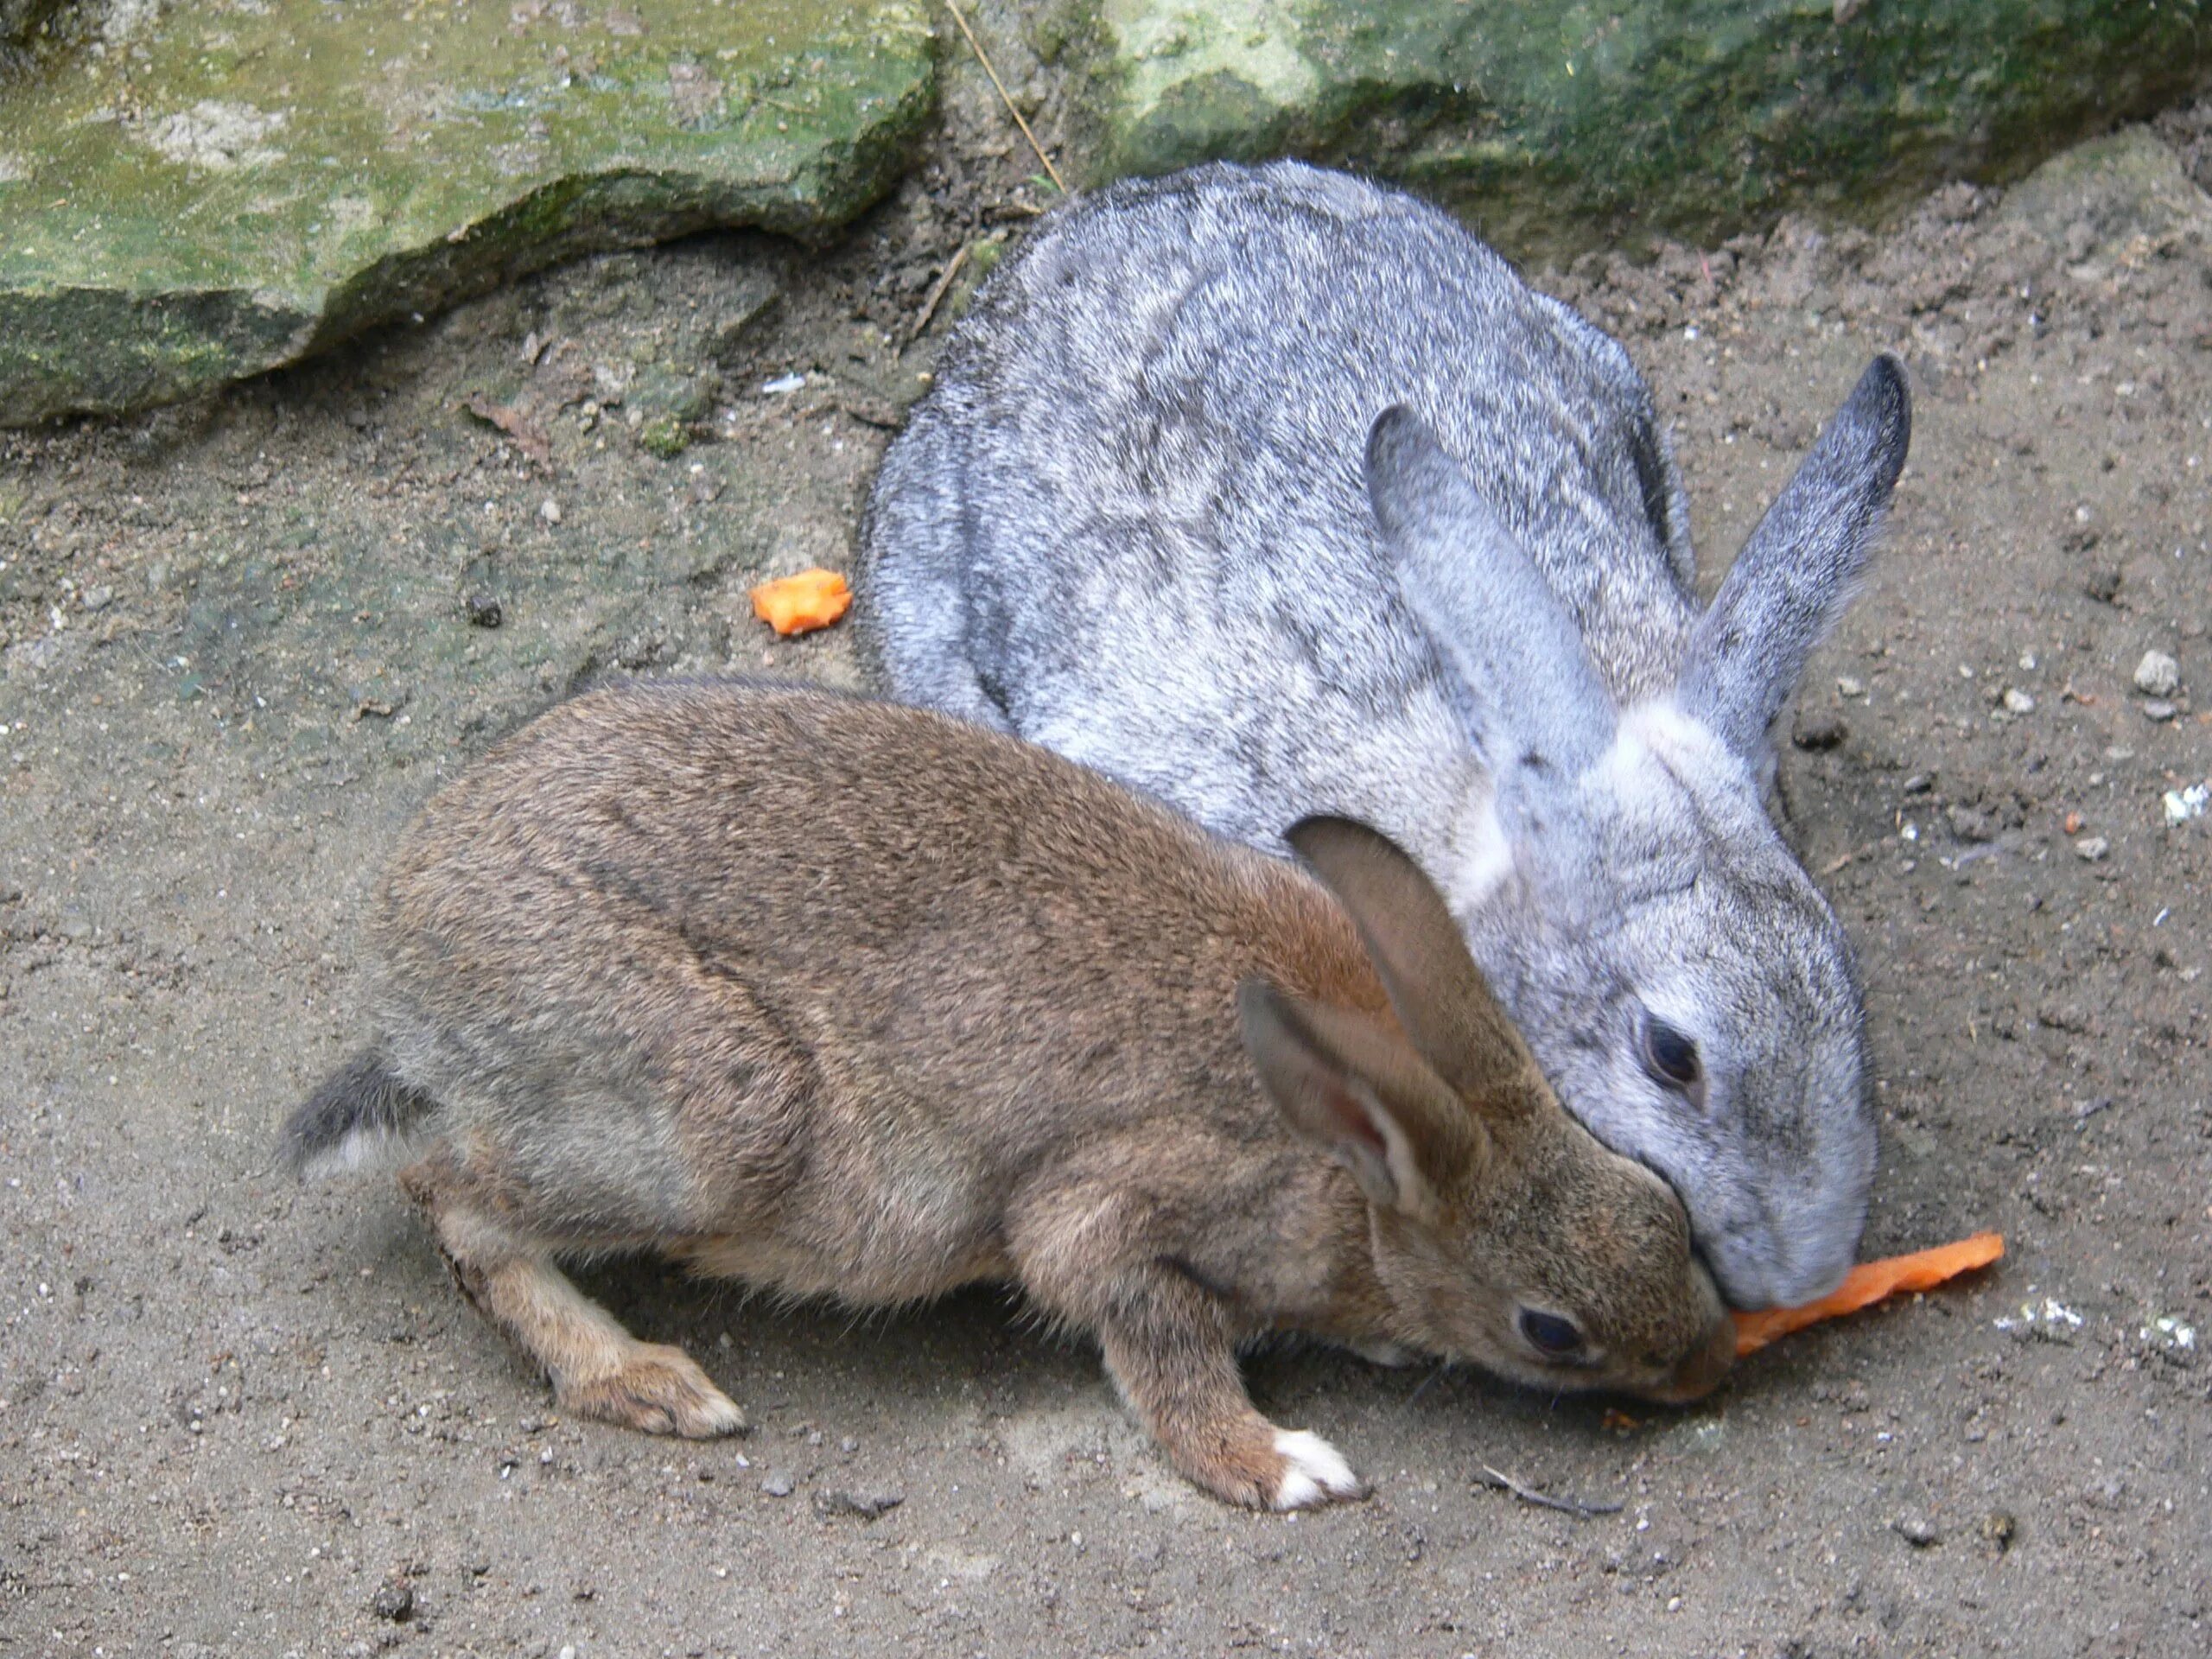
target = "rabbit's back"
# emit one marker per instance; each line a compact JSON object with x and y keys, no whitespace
{"x":1141,"y":472}
{"x":724,"y":963}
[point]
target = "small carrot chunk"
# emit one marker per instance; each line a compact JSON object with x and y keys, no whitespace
{"x":800,"y":604}
{"x":1868,"y":1283}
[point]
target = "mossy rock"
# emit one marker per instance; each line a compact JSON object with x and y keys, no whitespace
{"x":20,"y":19}
{"x":2126,"y":197}
{"x":1559,"y":124}
{"x":25,"y":26}
{"x":248,"y":181}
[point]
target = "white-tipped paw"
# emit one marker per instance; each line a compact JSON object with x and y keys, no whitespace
{"x":1313,"y":1472}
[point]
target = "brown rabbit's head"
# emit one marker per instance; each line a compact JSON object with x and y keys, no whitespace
{"x":1504,"y":1232}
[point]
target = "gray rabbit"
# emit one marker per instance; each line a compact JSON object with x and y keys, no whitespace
{"x":1273,"y":492}
{"x":842,"y":998}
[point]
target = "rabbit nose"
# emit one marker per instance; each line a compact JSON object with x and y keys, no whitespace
{"x":1700,"y":1370}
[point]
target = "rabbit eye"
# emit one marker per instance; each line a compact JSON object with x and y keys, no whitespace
{"x":1547,"y":1333}
{"x":1671,"y":1056}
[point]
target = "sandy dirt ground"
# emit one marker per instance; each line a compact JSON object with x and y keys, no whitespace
{"x":243,"y":640}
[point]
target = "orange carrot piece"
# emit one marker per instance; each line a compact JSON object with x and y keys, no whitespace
{"x":800,"y":604}
{"x":1868,"y":1283}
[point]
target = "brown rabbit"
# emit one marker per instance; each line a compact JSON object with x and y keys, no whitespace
{"x":848,"y":999}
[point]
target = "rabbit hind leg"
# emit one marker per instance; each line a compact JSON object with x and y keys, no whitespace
{"x":597,"y":1369}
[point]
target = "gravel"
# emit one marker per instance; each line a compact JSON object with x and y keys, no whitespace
{"x":1918,"y":1530}
{"x":2158,"y":675}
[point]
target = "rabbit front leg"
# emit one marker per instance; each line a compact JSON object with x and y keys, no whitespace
{"x":597,"y":1369}
{"x":1170,"y":1346}
{"x":1170,"y":1350}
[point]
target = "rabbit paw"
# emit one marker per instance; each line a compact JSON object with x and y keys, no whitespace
{"x":1314,"y":1472}
{"x":1389,"y":1355}
{"x":660,"y":1390}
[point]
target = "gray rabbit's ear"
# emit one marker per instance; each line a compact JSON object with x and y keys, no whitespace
{"x":1797,"y":572}
{"x":1513,"y":658}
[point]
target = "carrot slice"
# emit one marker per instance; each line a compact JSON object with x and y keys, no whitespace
{"x":1868,"y":1283}
{"x":800,"y":604}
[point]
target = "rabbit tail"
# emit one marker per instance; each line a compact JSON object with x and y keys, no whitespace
{"x":362,"y":1114}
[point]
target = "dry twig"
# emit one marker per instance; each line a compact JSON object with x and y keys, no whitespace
{"x":1544,"y":1500}
{"x":938,"y":291}
{"x":977,"y":47}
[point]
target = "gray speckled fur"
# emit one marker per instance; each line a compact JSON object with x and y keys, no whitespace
{"x":1137,"y":520}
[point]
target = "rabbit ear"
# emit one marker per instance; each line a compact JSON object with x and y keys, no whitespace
{"x":1437,"y":992}
{"x":1342,"y":1080}
{"x":1513,"y":658}
{"x":1797,"y":572}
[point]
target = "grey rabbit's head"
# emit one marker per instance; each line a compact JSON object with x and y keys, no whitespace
{"x":1683,"y":984}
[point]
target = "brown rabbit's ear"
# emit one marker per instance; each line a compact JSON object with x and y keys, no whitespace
{"x":1346,"y":1082}
{"x":1438,"y":993}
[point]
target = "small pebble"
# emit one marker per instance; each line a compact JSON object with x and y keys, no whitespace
{"x":549,"y":511}
{"x":866,"y":1505}
{"x":1819,"y":732}
{"x":2000,"y":1528}
{"x":777,"y":1484}
{"x":2158,"y":675}
{"x":1921,"y":783}
{"x":99,"y":599}
{"x":1969,"y":822}
{"x":2018,"y":702}
{"x":2183,"y":804}
{"x":2158,"y":709}
{"x":1916,"y":1530}
{"x":1847,"y":687}
{"x":394,"y":1602}
{"x":2092,"y":848}
{"x":483,"y":610}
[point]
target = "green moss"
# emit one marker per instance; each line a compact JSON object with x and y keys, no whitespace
{"x":1559,"y":123}
{"x":984,"y":255}
{"x":666,"y":437}
{"x":253,"y":179}
{"x":20,"y":19}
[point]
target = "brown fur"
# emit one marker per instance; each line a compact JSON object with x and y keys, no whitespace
{"x":843,"y":998}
